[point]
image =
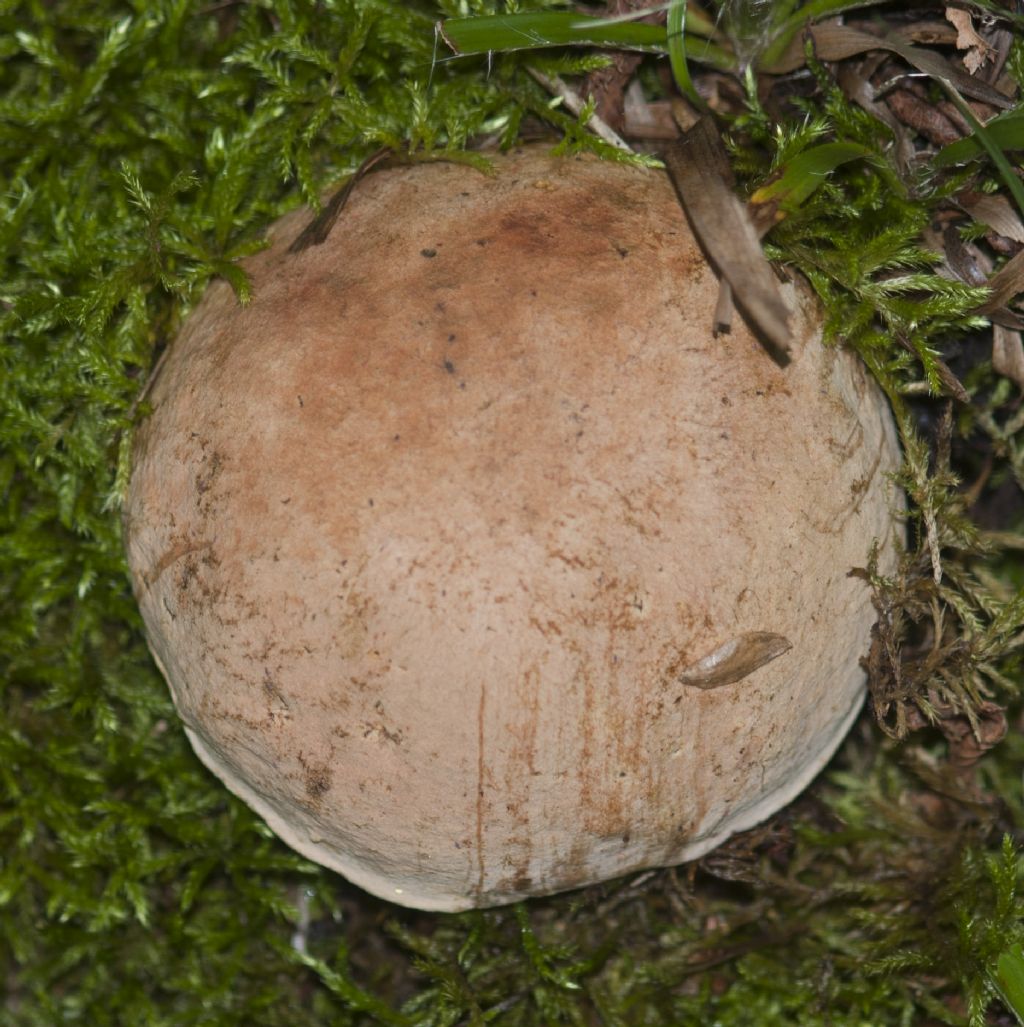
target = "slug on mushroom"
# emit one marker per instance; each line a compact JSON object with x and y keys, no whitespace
{"x":477,"y":566}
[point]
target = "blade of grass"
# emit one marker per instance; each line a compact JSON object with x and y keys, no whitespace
{"x":991,"y":147}
{"x":502,"y":33}
{"x":1005,"y":130}
{"x":1009,"y":980}
{"x":529,"y":31}
{"x":677,"y":52}
{"x":802,"y":175}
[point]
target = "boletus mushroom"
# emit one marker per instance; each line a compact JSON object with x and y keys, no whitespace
{"x":477,"y":565}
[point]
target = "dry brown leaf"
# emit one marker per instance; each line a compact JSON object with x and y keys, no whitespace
{"x":964,"y":258}
{"x":978,"y":51}
{"x":698,"y":165}
{"x":930,"y":32}
{"x":996,"y":211}
{"x":1000,"y":41}
{"x":1006,"y":283}
{"x":953,"y":386}
{"x":1008,"y":353}
{"x":575,"y":103}
{"x":735,"y":659}
{"x":647,"y":119}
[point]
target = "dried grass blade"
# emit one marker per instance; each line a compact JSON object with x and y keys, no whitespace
{"x":699,"y":168}
{"x":319,"y":228}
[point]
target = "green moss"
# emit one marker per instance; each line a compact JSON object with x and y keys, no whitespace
{"x":144,"y":147}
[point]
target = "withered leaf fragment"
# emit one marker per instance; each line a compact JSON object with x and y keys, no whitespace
{"x":1008,"y":353}
{"x":1006,"y":284}
{"x":699,"y":168}
{"x":734,"y":660}
{"x":995,"y":211}
{"x":978,"y":51}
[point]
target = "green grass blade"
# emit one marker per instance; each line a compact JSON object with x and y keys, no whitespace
{"x":1006,"y":131}
{"x":991,"y":147}
{"x":677,"y":51}
{"x":802,"y":175}
{"x":1009,"y":980}
{"x":527,"y":31}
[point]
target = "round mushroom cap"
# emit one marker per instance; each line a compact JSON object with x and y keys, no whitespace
{"x":477,"y":565}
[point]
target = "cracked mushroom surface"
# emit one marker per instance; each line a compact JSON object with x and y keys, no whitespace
{"x":477,"y":566}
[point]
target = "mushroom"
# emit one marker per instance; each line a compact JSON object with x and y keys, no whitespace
{"x":477,"y":565}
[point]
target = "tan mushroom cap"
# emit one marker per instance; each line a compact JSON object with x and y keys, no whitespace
{"x":477,"y":566}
